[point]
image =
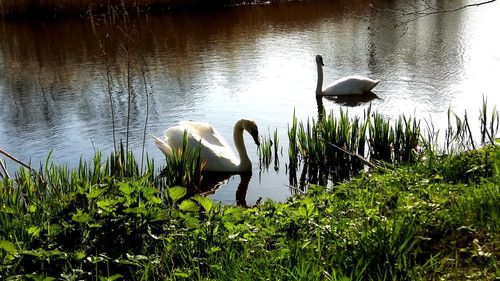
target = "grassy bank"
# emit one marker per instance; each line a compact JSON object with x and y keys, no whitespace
{"x":104,"y":222}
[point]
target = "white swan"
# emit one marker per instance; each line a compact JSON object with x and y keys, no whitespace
{"x":215,"y":152}
{"x":349,"y":85}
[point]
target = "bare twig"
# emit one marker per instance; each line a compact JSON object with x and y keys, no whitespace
{"x":4,"y":169}
{"x":295,"y":188}
{"x":104,"y":50}
{"x":129,"y":89}
{"x":364,"y":160}
{"x":428,"y":11}
{"x":143,"y":71}
{"x":16,"y":160}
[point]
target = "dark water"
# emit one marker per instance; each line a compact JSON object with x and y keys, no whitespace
{"x":255,"y":62}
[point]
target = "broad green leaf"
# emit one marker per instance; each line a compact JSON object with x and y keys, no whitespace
{"x":214,"y":249}
{"x":181,"y":274}
{"x":32,"y":208}
{"x":155,"y":200}
{"x":34,"y":231}
{"x":190,"y":221}
{"x":311,"y":208}
{"x":188,"y":206}
{"x":8,"y":246}
{"x":176,"y":193}
{"x":301,"y":211}
{"x":111,"y":278}
{"x":126,"y":188}
{"x":148,"y":191}
{"x":95,"y":192}
{"x":136,"y":210}
{"x":54,"y":229}
{"x":232,"y":210}
{"x":80,"y":217}
{"x":107,"y":204}
{"x":79,"y":255}
{"x":229,"y":225}
{"x":205,"y":202}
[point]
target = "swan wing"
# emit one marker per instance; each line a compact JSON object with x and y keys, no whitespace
{"x":350,"y":85}
{"x":204,"y":131}
{"x":215,"y":151}
{"x":163,"y":146}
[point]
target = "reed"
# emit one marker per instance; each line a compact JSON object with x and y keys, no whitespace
{"x":265,"y":152}
{"x":489,"y":129}
{"x":276,"y":142}
{"x":381,"y":138}
{"x":336,"y":147}
{"x":146,"y":118}
{"x":184,"y":167}
{"x":398,"y":143}
{"x":293,"y":154}
{"x":458,"y":134}
{"x":329,"y":148}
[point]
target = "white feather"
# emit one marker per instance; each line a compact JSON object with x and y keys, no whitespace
{"x":215,"y":151}
{"x":349,"y":85}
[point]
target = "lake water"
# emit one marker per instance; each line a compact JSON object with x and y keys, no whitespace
{"x":256,"y":62}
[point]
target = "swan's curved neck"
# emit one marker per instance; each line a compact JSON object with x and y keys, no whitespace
{"x":239,"y":143}
{"x":319,"y":86}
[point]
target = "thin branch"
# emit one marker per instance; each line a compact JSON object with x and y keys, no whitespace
{"x":4,"y":169}
{"x":364,"y":160}
{"x":143,"y":72}
{"x":295,"y":188}
{"x":16,"y":160}
{"x":429,"y":11}
{"x":458,"y":8}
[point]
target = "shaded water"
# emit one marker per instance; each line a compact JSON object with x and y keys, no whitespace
{"x":219,"y":66}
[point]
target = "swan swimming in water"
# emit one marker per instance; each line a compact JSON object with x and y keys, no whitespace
{"x":349,"y":85}
{"x":215,"y":152}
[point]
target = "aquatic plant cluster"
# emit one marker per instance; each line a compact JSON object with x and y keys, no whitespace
{"x":336,"y":147}
{"x":431,"y":216}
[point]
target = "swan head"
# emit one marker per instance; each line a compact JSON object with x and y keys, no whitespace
{"x":251,"y":127}
{"x":319,"y":60}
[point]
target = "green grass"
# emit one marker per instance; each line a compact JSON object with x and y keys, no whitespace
{"x":407,"y":223}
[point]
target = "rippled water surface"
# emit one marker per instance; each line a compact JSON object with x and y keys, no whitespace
{"x":219,"y":66}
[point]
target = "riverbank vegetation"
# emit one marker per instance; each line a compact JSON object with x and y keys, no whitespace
{"x":434,"y":216}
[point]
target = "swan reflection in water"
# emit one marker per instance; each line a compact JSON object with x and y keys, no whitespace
{"x":346,"y":100}
{"x":213,"y":181}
